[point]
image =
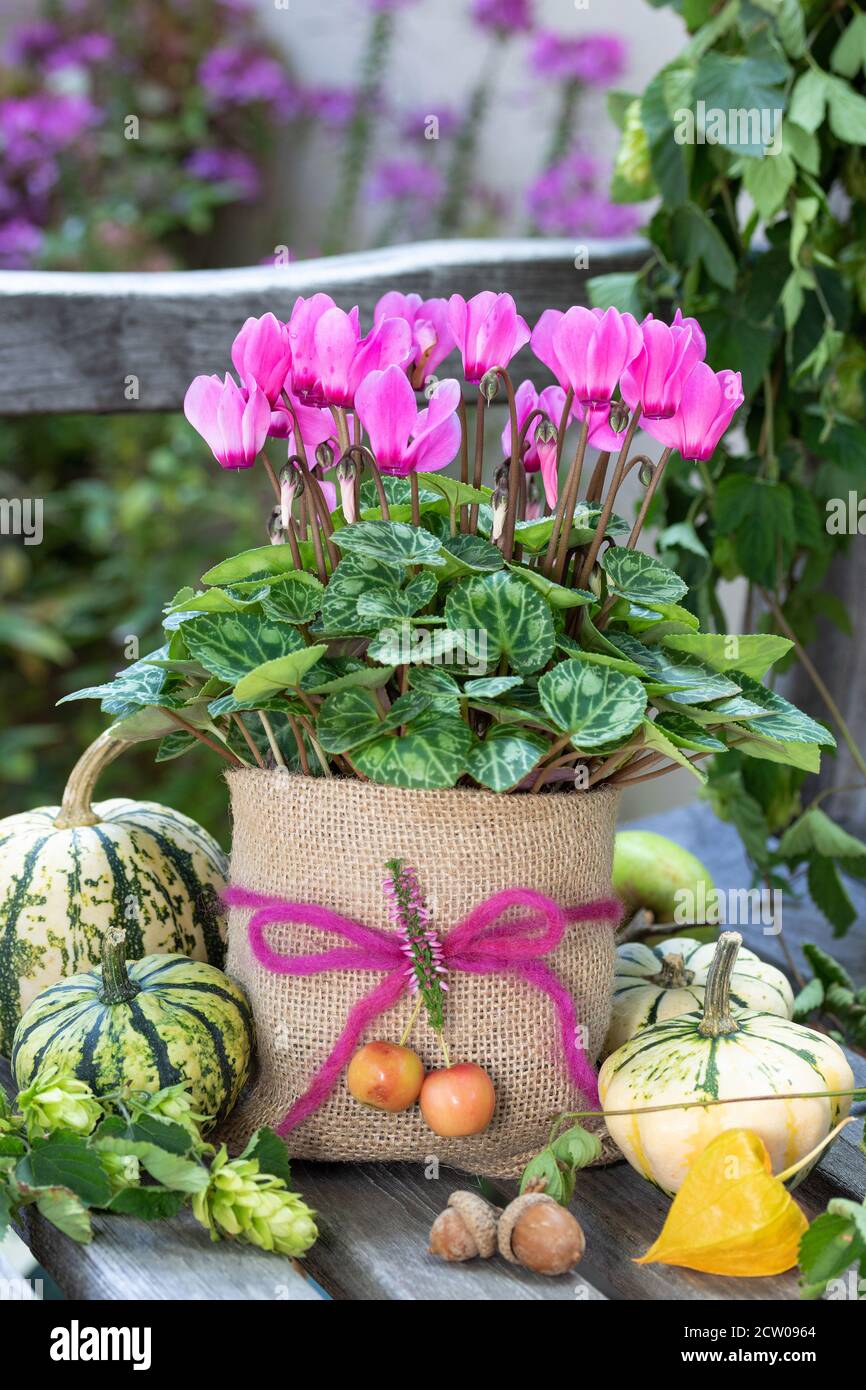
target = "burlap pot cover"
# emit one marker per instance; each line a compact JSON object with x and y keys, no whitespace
{"x":327,"y":842}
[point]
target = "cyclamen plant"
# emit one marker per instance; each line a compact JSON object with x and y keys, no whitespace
{"x":428,"y":631}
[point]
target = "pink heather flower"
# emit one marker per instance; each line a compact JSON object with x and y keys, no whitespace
{"x":403,"y":439}
{"x":233,"y":420}
{"x":432,"y":338}
{"x":707,"y":406}
{"x":657,"y":375}
{"x":596,"y":60}
{"x":488,"y":331}
{"x":538,"y":456}
{"x":587,"y":349}
{"x":261,"y":352}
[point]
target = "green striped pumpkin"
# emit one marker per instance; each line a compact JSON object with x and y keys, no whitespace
{"x":654,"y":983}
{"x":720,"y":1055}
{"x":69,"y":872}
{"x":142,"y":1025}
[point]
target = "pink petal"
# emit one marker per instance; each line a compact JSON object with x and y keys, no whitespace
{"x":386,"y":407}
{"x":336,"y":342}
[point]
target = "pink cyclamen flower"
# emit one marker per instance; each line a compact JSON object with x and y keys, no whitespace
{"x":488,"y":331}
{"x":538,"y":455}
{"x":261,"y":351}
{"x":432,"y":337}
{"x":316,"y":425}
{"x":587,"y":349}
{"x":707,"y":406}
{"x":403,"y":439}
{"x":306,"y":372}
{"x":233,"y":420}
{"x":656,"y":377}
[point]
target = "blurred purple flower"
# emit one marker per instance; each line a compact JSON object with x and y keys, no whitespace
{"x":31,"y":127}
{"x":333,"y":107}
{"x":505,"y":16}
{"x":238,"y":76}
{"x":397,"y":180}
{"x":566,"y":201}
{"x":414,"y":124}
{"x":20,"y":243}
{"x":226,"y":166}
{"x":79,"y":52}
{"x":29,"y":43}
{"x":596,"y":60}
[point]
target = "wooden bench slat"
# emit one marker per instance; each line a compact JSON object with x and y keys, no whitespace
{"x":68,"y":341}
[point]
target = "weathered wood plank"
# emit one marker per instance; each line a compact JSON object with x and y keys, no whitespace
{"x":70,"y":341}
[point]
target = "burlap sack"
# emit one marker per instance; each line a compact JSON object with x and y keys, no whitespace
{"x":327,"y":842}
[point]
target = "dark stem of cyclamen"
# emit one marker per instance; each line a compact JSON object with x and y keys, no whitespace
{"x":361,"y":455}
{"x":248,"y":739}
{"x":569,"y":501}
{"x":416,"y":504}
{"x":658,"y":471}
{"x":559,"y":510}
{"x":478,"y":467}
{"x":464,"y":457}
{"x":607,"y":508}
{"x":308,"y":503}
{"x":268,"y":467}
{"x":515,"y":468}
{"x":224,"y":752}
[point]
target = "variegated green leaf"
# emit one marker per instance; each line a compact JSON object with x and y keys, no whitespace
{"x":442,"y":688}
{"x":697,"y":681}
{"x":174,"y":745}
{"x":136,"y":685}
{"x":352,"y":717}
{"x":638,"y":577}
{"x":805,"y":756}
{"x":514,"y":616}
{"x":295,"y":598}
{"x":657,"y":739}
{"x":382,"y":605}
{"x":391,"y":542}
{"x":616,"y":663}
{"x":507,"y":754}
{"x":426,"y":644}
{"x":535,"y":535}
{"x":465,"y":554}
{"x":356,"y":575}
{"x":655,"y":622}
{"x":366,"y":677}
{"x":488,"y":687}
{"x":596,"y":705}
{"x":232,"y":644}
{"x":432,"y":753}
{"x":273,"y":676}
{"x":782,"y":720}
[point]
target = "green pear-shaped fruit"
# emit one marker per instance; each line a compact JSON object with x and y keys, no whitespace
{"x":650,"y":871}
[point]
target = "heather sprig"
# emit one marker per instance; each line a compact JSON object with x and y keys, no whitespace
{"x":422,"y":946}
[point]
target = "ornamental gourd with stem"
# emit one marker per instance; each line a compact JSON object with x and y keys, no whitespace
{"x":426,"y":631}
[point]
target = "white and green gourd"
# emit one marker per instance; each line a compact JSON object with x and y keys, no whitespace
{"x":722,"y":1055}
{"x":69,"y":872}
{"x":654,"y":983}
{"x":141,"y":1025}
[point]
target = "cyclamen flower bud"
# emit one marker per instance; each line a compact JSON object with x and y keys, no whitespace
{"x":489,"y":386}
{"x":499,"y":504}
{"x":276,"y":533}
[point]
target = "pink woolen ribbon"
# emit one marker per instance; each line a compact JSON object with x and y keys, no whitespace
{"x":481,"y":944}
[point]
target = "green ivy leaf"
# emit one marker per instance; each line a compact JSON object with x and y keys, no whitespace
{"x":367,"y":677}
{"x":467,"y":554}
{"x":515,"y":618}
{"x":507,"y":754}
{"x":750,"y":84}
{"x":273,"y":676}
{"x":596,"y":706}
{"x":488,"y":687}
{"x":767,"y":182}
{"x":535,"y":535}
{"x":816,"y":833}
{"x":635,"y":576}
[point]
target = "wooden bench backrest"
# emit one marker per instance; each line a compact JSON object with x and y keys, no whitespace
{"x":115,"y":343}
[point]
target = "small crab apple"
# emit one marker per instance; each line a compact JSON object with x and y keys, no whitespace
{"x":458,"y":1101}
{"x":385,"y":1076}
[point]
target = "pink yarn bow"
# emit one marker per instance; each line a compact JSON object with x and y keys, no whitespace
{"x":482,"y":944}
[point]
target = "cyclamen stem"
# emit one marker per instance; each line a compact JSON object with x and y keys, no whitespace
{"x":569,"y":500}
{"x":268,"y":467}
{"x":464,"y":458}
{"x":478,"y":466}
{"x":607,"y":508}
{"x":656,"y":478}
{"x":514,"y":470}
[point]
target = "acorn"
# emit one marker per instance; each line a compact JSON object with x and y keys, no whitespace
{"x":466,"y":1228}
{"x":536,"y":1232}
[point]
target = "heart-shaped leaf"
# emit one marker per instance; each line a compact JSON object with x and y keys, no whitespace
{"x":638,"y":577}
{"x":442,"y":688}
{"x":355,"y":576}
{"x":280,"y":674}
{"x":465,"y":554}
{"x":596,"y":705}
{"x":507,"y":754}
{"x":399,"y":498}
{"x":391,"y":542}
{"x":367,"y":677}
{"x":432,"y":753}
{"x":295,"y":598}
{"x":352,"y":717}
{"x":141,"y":683}
{"x":514,"y":617}
{"x":232,"y":644}
{"x":457,"y":494}
{"x":382,"y":605}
